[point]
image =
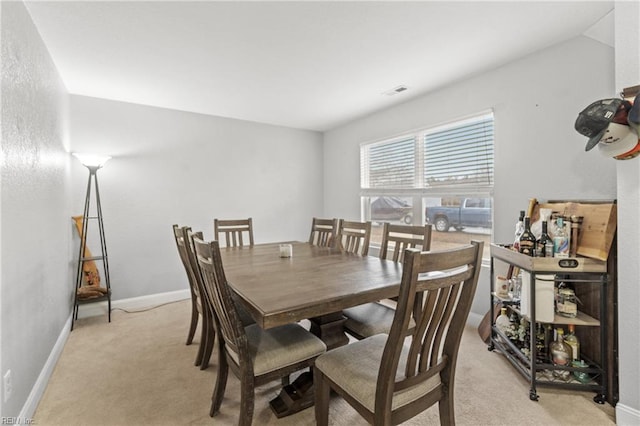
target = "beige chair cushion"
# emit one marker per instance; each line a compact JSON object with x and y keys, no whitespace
{"x":371,"y":319}
{"x":281,"y":346}
{"x":355,"y":367}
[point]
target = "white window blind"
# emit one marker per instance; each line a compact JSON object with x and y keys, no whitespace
{"x":461,"y":155}
{"x":452,"y":158}
{"x":389,"y":164}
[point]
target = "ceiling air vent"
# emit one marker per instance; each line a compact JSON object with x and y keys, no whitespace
{"x":395,"y":91}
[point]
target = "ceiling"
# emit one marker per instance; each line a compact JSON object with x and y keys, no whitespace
{"x":303,"y":64}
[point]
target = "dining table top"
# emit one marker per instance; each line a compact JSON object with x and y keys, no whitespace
{"x":313,"y":282}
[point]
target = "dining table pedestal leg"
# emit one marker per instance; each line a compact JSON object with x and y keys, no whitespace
{"x":294,"y":397}
{"x":330,"y":329}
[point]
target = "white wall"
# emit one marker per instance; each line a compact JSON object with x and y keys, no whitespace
{"x":537,"y":151}
{"x":627,"y":42}
{"x":185,"y":168}
{"x":35,"y":259}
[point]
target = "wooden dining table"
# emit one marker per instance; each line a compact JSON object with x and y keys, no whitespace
{"x":315,"y":283}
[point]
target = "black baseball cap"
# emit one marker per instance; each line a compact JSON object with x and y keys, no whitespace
{"x":593,"y":121}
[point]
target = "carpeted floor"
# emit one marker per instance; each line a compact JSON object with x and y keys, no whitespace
{"x":137,"y":370}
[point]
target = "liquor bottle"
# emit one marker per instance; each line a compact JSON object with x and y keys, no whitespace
{"x":501,"y":287}
{"x":519,"y":231}
{"x":560,"y":240}
{"x":560,"y":355}
{"x":515,"y":286}
{"x":541,"y":345}
{"x":572,"y":340}
{"x":527,"y":239}
{"x":502,"y":322}
{"x":566,"y":302}
{"x":544,"y":245}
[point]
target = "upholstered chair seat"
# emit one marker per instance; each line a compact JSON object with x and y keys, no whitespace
{"x":370,"y":319}
{"x":355,"y":369}
{"x":279,"y":347}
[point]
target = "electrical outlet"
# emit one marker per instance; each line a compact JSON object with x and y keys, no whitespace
{"x":8,"y":385}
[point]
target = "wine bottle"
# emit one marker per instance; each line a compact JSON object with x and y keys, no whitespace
{"x":544,"y":245}
{"x":572,"y":340}
{"x":560,"y":355}
{"x":560,"y":240}
{"x":519,"y":231}
{"x":527,"y":239}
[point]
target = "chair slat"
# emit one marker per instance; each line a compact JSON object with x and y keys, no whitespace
{"x":323,"y":232}
{"x":233,"y":231}
{"x":354,"y":237}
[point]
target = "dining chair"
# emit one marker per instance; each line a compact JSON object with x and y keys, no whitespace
{"x":354,"y":237}
{"x":323,"y":232}
{"x":373,"y":318}
{"x":255,"y":356}
{"x":389,"y":379}
{"x":208,"y":333}
{"x":197,"y":308}
{"x":233,"y":230}
{"x":245,"y":316}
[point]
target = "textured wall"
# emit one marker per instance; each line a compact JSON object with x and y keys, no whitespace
{"x":36,"y":228}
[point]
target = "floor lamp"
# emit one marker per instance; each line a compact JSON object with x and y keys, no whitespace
{"x":92,"y":292}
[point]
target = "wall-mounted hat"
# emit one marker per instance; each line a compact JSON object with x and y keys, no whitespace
{"x":593,"y":121}
{"x":617,"y":139}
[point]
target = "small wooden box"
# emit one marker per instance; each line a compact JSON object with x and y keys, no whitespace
{"x":598,"y":227}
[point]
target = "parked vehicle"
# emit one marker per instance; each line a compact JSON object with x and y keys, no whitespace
{"x":391,"y":208}
{"x":472,"y":212}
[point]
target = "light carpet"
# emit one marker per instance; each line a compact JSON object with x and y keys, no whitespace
{"x":137,"y":370}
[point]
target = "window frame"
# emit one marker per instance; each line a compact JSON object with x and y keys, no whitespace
{"x":419,"y":191}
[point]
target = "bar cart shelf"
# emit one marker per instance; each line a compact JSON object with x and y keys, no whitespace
{"x":589,"y":276}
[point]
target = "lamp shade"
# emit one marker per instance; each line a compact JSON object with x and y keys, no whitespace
{"x":92,"y":160}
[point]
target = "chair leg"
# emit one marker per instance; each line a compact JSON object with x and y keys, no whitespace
{"x":446,"y":408}
{"x":194,"y":321}
{"x":203,"y":341}
{"x":247,"y":397}
{"x":210,"y":337}
{"x":322,"y":392}
{"x":221,"y":380}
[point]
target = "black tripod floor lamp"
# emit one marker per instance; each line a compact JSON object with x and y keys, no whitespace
{"x":88,"y":286}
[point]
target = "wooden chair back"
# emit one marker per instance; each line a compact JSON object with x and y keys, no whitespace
{"x":226,"y":316}
{"x":353,"y":237}
{"x":398,"y":238}
{"x":181,"y":243}
{"x":323,"y":232}
{"x":208,"y":332}
{"x":189,"y":235}
{"x":233,"y":230}
{"x":437,"y":288}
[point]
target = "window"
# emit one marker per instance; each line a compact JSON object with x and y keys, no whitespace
{"x":446,"y":170}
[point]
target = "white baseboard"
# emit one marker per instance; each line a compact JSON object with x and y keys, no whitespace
{"x":29,"y":407}
{"x":93,"y":309}
{"x":474,"y":319}
{"x":627,"y":416}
